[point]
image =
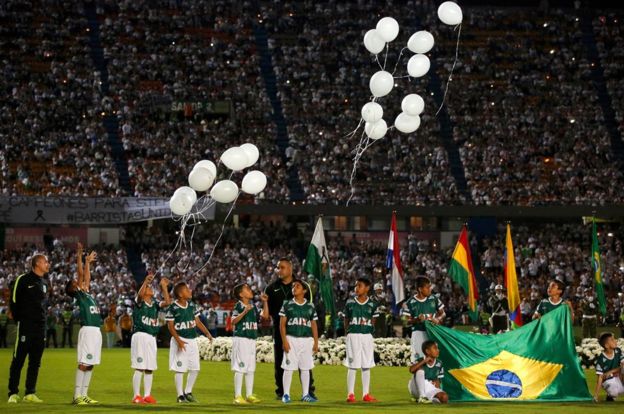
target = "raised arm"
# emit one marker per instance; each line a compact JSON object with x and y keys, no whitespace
{"x":164,"y":284}
{"x":86,"y":280}
{"x":79,"y":267}
{"x":265,"y":307}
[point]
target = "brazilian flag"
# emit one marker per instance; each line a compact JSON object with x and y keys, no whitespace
{"x":537,"y":362}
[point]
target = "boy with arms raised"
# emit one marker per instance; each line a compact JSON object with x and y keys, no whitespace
{"x":360,"y":314}
{"x":299,"y":338}
{"x":182,"y":319}
{"x":610,"y":368}
{"x":245,"y":318}
{"x":143,"y":344}
{"x":421,"y":307}
{"x":89,"y":337}
{"x":428,"y":372}
{"x":554,"y":300}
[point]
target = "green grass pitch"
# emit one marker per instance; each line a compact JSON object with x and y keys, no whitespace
{"x":112,"y":386}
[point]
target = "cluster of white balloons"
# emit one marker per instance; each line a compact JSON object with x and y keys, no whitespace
{"x":382,"y":82}
{"x":204,"y":173}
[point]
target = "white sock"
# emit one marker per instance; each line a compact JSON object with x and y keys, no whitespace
{"x":286,"y":381}
{"x":147,"y":383}
{"x":85,"y":382}
{"x":305,"y":382}
{"x":190,"y":381}
{"x":420,"y":382}
{"x":136,"y":383}
{"x":179,"y":379}
{"x":365,"y":381}
{"x":351,"y":373}
{"x":78,"y":387}
{"x":249,"y":380}
{"x":238,"y":384}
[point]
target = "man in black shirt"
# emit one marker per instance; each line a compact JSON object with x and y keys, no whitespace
{"x":279,"y":291}
{"x":28,"y":308}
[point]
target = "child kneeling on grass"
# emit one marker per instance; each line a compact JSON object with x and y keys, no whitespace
{"x":428,"y":372}
{"x":610,"y":368}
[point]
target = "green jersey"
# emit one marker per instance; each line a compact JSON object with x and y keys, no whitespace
{"x":433,"y":372}
{"x":145,"y":318}
{"x":428,"y":306}
{"x":89,"y":310}
{"x":359,"y":316}
{"x":299,"y":318}
{"x":247,"y":327}
{"x":546,"y":306}
{"x":604,"y":364}
{"x":183,"y":319}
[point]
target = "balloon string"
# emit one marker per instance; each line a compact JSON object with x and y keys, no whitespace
{"x":358,"y":154}
{"x":397,"y":62}
{"x":386,"y":56}
{"x":220,"y":235}
{"x":450,"y":77}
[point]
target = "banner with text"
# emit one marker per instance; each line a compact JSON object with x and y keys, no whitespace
{"x":85,"y":210}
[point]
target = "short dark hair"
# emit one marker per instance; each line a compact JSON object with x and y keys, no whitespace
{"x":305,"y":286}
{"x":238,"y":289}
{"x":366,"y":282}
{"x":559,"y":284}
{"x":426,"y":345}
{"x":35,"y":259}
{"x":68,"y":289}
{"x":177,"y":287}
{"x":284,"y":259}
{"x":422,"y":281}
{"x":603,"y":338}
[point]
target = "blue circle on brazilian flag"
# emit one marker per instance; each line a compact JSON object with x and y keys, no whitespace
{"x":503,"y":384}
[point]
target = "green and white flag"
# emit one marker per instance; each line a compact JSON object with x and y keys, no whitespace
{"x":317,"y":264}
{"x":597,"y":268}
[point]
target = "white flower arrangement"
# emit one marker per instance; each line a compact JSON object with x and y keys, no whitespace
{"x":393,"y":352}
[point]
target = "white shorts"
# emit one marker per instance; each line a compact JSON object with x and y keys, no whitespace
{"x":300,"y":355}
{"x":418,"y":337}
{"x":360,"y":351}
{"x":89,"y":345}
{"x":430,"y":389}
{"x":243,"y":354}
{"x":143,"y":351}
{"x":613,"y":387}
{"x":183,"y":361}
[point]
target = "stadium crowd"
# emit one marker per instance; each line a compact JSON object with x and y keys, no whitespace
{"x":171,"y":66}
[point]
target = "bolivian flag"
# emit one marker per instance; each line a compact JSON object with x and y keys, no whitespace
{"x":462,"y":273}
{"x":536,"y":362}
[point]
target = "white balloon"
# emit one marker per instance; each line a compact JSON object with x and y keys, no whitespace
{"x":388,"y":29}
{"x":418,"y":65}
{"x":381,"y":83}
{"x":373,"y":42}
{"x":252,"y":153}
{"x":413,"y":104}
{"x":420,"y":42}
{"x":407,"y":123}
{"x":235,"y":159}
{"x":372,"y":112}
{"x":187,"y":192}
{"x":225,"y":191}
{"x":209,"y":165}
{"x":179,"y":205}
{"x":450,"y":13}
{"x":254,"y":182}
{"x":377,"y":130}
{"x":200,"y":179}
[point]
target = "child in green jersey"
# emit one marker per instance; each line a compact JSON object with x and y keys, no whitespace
{"x":299,"y":338}
{"x":610,"y":368}
{"x":420,"y":308}
{"x":89,"y":338}
{"x":555,"y":290}
{"x":428,"y":372}
{"x":182,"y":318}
{"x":143,"y":344}
{"x":359,"y":315}
{"x":245,"y":319}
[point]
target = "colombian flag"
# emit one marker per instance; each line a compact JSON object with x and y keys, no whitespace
{"x":462,"y":273}
{"x":537,"y":362}
{"x":511,"y":282}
